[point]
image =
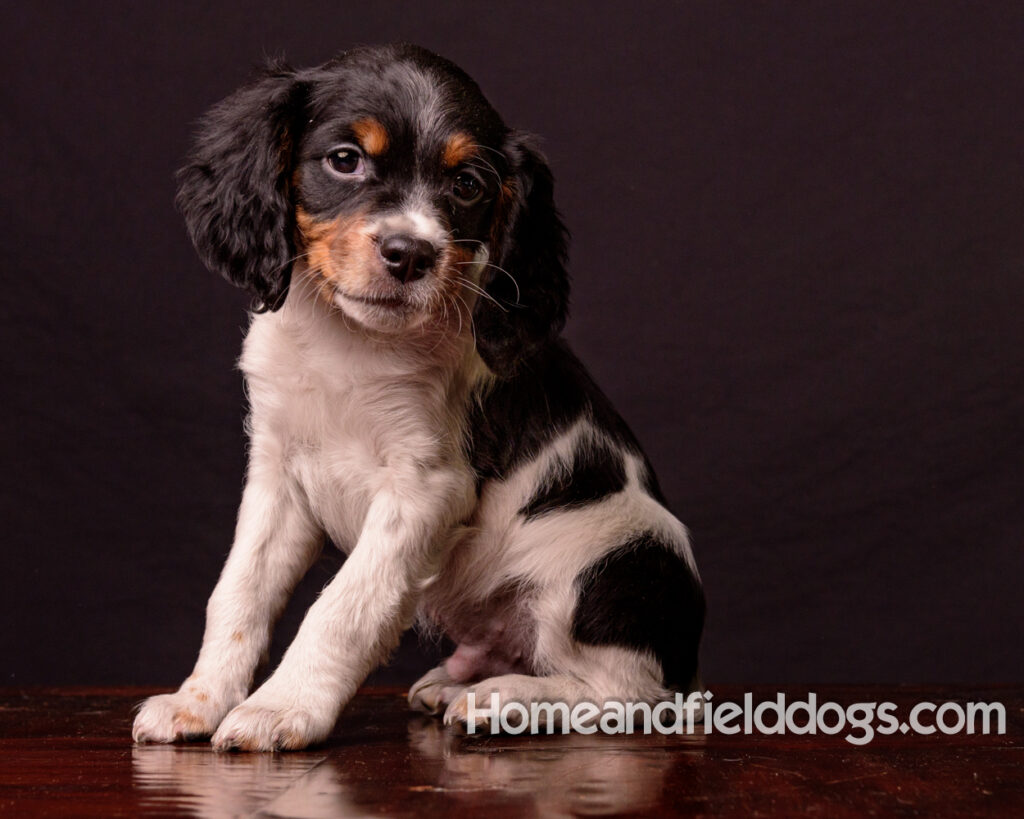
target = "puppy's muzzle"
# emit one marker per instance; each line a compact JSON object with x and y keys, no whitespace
{"x":406,"y":257}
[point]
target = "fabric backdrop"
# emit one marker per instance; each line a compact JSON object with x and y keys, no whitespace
{"x":797,"y":254}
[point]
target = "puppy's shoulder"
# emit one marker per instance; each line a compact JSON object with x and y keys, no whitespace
{"x":514,"y":418}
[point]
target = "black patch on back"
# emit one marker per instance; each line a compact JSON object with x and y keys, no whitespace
{"x":643,"y":596}
{"x":518,"y":416}
{"x":596,"y":471}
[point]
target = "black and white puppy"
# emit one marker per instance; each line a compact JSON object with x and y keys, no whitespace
{"x":412,"y":401}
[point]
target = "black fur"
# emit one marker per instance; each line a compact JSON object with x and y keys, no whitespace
{"x":238,"y":192}
{"x":528,"y":281}
{"x":519,"y":415}
{"x":261,"y":154}
{"x":644,"y":596}
{"x":649,"y":482}
{"x":392,"y":85}
{"x":596,"y":471}
{"x":235,"y":190}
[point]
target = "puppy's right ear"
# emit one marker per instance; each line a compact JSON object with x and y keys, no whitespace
{"x":235,"y":190}
{"x":527,"y":284}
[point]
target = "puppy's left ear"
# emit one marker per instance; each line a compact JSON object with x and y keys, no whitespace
{"x":526,"y":280}
{"x":235,"y":190}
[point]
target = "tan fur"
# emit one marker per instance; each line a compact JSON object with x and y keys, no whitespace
{"x":339,"y":251}
{"x":361,"y":388}
{"x":189,"y":724}
{"x":371,"y":135}
{"x":459,"y":148}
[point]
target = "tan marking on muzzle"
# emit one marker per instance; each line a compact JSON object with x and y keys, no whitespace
{"x":338,"y":251}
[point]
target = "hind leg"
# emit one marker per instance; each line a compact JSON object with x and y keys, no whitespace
{"x":434,"y":691}
{"x":472,"y":661}
{"x":626,"y":629}
{"x":597,"y":675}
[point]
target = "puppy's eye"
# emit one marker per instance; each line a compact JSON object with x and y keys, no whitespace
{"x":467,"y":188}
{"x":346,"y":161}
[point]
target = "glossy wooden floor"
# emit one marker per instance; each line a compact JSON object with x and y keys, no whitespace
{"x":68,"y":753}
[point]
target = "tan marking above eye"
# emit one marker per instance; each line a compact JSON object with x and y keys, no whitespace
{"x":371,"y":135}
{"x":459,"y":148}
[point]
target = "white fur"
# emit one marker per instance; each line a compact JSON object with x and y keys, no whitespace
{"x":359,"y":435}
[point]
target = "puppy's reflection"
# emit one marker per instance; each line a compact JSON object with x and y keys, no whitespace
{"x":562,"y":775}
{"x":214,"y":785}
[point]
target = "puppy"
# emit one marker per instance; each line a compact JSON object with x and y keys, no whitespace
{"x":411,"y":400}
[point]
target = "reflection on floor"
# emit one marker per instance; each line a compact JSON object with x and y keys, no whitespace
{"x":69,"y":753}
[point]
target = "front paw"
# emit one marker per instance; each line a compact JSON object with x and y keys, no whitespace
{"x":187,"y":714}
{"x":270,"y":726}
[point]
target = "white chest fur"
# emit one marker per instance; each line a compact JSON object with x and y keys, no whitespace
{"x":346,"y":415}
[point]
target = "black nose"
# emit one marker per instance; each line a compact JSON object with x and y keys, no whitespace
{"x":407,"y":258}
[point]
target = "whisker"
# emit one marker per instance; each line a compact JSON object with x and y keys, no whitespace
{"x":469,"y":313}
{"x":292,"y":260}
{"x":311,"y":285}
{"x":475,"y":288}
{"x":487,"y":164}
{"x":458,"y":313}
{"x":488,"y":148}
{"x":444,"y":323}
{"x":503,"y":270}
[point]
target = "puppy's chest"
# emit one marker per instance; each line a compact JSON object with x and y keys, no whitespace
{"x":342,"y":440}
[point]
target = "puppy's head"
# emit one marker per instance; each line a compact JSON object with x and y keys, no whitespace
{"x":387,"y":179}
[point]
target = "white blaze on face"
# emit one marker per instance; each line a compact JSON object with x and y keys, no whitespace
{"x":417,"y":217}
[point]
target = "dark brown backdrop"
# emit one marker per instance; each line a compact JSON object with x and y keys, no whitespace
{"x":798,"y":259}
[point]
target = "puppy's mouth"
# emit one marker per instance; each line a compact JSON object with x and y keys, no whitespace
{"x":390,"y":302}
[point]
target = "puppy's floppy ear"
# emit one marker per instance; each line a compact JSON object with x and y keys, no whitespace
{"x":527,"y":277}
{"x":234,"y":191}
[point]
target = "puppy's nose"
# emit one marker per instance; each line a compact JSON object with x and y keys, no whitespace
{"x":406,"y":257}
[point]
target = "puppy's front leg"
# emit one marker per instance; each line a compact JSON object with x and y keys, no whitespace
{"x":276,"y":541}
{"x":357,"y":619}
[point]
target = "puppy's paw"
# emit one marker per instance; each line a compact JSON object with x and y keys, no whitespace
{"x":190,"y":713}
{"x":268,"y":726}
{"x":483,"y":703}
{"x":434,"y":691}
{"x":457,"y":714}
